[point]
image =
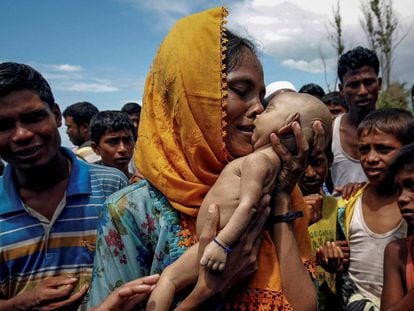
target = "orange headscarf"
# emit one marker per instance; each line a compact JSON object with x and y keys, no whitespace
{"x":181,"y":148}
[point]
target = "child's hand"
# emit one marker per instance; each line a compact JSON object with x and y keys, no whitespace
{"x":214,"y":257}
{"x":330,"y":257}
{"x":314,"y":203}
{"x":350,"y":189}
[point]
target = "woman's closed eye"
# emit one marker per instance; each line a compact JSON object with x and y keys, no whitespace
{"x":241,"y":91}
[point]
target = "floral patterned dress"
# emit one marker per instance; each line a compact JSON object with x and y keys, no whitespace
{"x":138,"y":231}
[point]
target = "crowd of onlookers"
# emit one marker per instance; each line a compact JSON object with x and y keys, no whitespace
{"x":120,"y":222}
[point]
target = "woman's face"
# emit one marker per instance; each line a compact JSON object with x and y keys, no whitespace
{"x":246,"y":90}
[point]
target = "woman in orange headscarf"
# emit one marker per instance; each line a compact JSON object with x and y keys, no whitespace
{"x":203,"y":91}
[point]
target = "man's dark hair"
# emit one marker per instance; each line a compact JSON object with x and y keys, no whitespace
{"x":412,"y":91}
{"x":394,"y":121}
{"x":234,"y":50}
{"x":312,"y":89}
{"x":131,"y":108}
{"x":334,"y":97}
{"x":81,"y":112}
{"x":18,"y":77}
{"x":355,"y":59}
{"x":109,"y":120}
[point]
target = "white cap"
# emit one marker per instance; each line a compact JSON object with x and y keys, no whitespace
{"x":277,"y":86}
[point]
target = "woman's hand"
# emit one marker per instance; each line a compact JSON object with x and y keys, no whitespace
{"x":241,"y":262}
{"x":294,"y":165}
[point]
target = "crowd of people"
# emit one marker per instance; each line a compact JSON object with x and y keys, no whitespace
{"x":219,"y":193}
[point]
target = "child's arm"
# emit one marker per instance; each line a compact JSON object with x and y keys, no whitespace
{"x":393,"y":297}
{"x":257,"y":171}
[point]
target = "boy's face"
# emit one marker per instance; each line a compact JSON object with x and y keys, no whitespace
{"x":315,"y":174}
{"x":376,"y":150}
{"x":360,"y":89}
{"x":29,"y":135}
{"x":335,"y":109}
{"x":404,"y":181}
{"x":115,"y":148}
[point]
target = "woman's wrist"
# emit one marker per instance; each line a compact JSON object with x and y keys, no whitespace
{"x":281,"y":204}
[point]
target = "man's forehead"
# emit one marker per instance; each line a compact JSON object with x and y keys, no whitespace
{"x":22,"y":101}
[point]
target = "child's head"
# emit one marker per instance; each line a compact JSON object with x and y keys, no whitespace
{"x":316,"y":172}
{"x":381,"y":134}
{"x":401,"y":172}
{"x":112,"y":138}
{"x":282,"y":110}
{"x":335,"y":103}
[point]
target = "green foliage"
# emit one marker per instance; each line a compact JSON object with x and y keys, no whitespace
{"x":381,"y":26}
{"x":394,"y":97}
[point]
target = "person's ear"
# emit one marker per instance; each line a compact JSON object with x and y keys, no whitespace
{"x":58,"y":115}
{"x":95,"y":148}
{"x":84,"y":129}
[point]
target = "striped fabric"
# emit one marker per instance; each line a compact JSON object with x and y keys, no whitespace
{"x":31,"y":251}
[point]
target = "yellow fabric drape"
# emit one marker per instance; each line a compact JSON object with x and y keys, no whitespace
{"x":180,"y":147}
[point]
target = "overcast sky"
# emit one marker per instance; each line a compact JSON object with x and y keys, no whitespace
{"x":101,"y":50}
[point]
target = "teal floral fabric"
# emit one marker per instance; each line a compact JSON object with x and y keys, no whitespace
{"x":139,"y":234}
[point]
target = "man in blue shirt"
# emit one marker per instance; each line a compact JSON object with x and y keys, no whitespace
{"x":49,"y":200}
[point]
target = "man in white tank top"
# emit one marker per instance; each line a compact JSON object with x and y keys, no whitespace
{"x":359,"y":84}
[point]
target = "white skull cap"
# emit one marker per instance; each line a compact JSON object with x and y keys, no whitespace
{"x":279,"y":85}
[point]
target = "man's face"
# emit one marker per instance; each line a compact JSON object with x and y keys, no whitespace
{"x":74,"y":131}
{"x":360,"y":89}
{"x":135,"y":119}
{"x":116,"y":149}
{"x":376,"y":150}
{"x":29,"y":135}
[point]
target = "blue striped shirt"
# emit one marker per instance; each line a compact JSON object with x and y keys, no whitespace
{"x":32,"y":250}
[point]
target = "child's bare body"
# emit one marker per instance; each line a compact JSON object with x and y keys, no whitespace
{"x":243,"y":182}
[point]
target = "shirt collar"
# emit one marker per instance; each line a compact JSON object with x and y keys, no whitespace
{"x":79,"y":183}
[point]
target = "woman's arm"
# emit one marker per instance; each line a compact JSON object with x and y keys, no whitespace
{"x":297,"y":284}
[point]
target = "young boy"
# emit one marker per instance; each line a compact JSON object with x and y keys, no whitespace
{"x":335,"y":103}
{"x":322,"y":225}
{"x":244,"y":181}
{"x":398,"y":291}
{"x":371,"y":218}
{"x":112,"y":135}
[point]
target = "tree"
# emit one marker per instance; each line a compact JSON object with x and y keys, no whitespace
{"x":335,"y":34}
{"x":382,"y":29}
{"x":394,"y":97}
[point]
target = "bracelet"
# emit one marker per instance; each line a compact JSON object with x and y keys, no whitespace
{"x":287,"y":217}
{"x":226,"y":249}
